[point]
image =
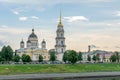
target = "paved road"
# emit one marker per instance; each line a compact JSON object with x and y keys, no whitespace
{"x":58,"y":75}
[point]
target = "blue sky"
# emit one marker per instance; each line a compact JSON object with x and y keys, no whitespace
{"x":86,"y":22}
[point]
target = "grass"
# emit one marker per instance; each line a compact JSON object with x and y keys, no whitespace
{"x":59,"y":68}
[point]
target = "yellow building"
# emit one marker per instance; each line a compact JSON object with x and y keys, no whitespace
{"x":32,"y":48}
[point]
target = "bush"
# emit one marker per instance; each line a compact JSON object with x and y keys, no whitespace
{"x":26,"y":58}
{"x":16,"y":58}
{"x":40,"y":58}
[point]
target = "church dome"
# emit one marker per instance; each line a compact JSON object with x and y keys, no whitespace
{"x":32,"y":35}
{"x":22,"y":42}
{"x":43,"y":41}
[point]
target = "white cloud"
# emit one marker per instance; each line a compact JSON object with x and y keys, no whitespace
{"x":75,"y":18}
{"x":34,"y":17}
{"x":94,"y":46}
{"x":15,"y":12}
{"x":117,"y":13}
{"x":23,"y":18}
{"x":52,"y":1}
{"x":3,"y":26}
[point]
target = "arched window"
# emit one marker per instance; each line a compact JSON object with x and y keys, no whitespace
{"x":62,"y":50}
{"x":61,"y":35}
{"x":62,"y":42}
{"x":56,"y":42}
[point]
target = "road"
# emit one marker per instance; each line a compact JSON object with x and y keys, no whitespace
{"x":59,"y":75}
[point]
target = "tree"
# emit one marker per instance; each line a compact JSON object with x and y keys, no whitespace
{"x":52,"y":56}
{"x":7,"y":53}
{"x":89,"y":58}
{"x":72,"y":56}
{"x":113,"y":58}
{"x":65,"y":56}
{"x":98,"y":57}
{"x":80,"y":56}
{"x":26,"y":58}
{"x":16,"y":58}
{"x":117,"y":56}
{"x":1,"y":59}
{"x":40,"y":58}
{"x":94,"y":58}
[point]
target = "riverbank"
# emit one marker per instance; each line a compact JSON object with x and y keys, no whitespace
{"x":60,"y":76}
{"x":12,"y":69}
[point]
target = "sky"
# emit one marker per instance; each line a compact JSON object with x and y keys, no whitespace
{"x":86,"y":22}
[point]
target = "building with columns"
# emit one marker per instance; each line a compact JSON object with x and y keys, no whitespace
{"x":60,"y":46}
{"x":32,"y":48}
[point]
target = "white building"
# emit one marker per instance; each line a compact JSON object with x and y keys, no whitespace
{"x":32,"y":48}
{"x":60,"y":46}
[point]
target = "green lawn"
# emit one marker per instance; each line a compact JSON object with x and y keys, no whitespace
{"x":59,"y":68}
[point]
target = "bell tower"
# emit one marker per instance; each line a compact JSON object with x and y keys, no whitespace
{"x":60,"y":46}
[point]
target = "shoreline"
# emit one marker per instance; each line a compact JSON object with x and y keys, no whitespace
{"x":59,"y":76}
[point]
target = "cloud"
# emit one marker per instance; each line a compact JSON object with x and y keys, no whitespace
{"x":117,"y":13}
{"x":34,"y":17}
{"x":42,"y":4}
{"x":3,"y":26}
{"x":52,"y":1}
{"x":23,"y":18}
{"x":75,"y":18}
{"x":15,"y":12}
{"x":94,"y":46}
{"x":2,"y":43}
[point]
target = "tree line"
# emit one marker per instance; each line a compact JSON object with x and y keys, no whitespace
{"x":70,"y":56}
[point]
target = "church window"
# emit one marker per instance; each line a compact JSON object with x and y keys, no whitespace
{"x":62,"y":42}
{"x":62,"y":50}
{"x":61,"y":35}
{"x":56,"y":42}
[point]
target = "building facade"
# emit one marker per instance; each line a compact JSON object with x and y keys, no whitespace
{"x":32,"y":48}
{"x":60,"y":46}
{"x":104,"y":56}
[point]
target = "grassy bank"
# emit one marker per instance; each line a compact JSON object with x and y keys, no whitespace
{"x":60,"y":68}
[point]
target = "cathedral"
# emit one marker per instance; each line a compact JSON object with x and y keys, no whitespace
{"x":32,"y":48}
{"x":32,"y":45}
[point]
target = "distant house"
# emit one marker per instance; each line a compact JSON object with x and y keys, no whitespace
{"x":103,"y":55}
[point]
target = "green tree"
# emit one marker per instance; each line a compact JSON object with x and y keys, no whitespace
{"x":7,"y":53}
{"x":98,"y":57}
{"x":117,"y":56}
{"x":113,"y":58}
{"x":89,"y":58}
{"x":65,"y":56}
{"x":52,"y":56}
{"x":40,"y":58}
{"x":16,"y":58}
{"x":26,"y":58}
{"x":72,"y":56}
{"x":80,"y":56}
{"x":94,"y":58}
{"x":1,"y":59}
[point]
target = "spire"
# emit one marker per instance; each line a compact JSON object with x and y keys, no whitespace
{"x":60,"y":17}
{"x":60,"y":21}
{"x":33,"y":30}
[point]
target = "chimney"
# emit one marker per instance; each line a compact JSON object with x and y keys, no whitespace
{"x":89,"y":48}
